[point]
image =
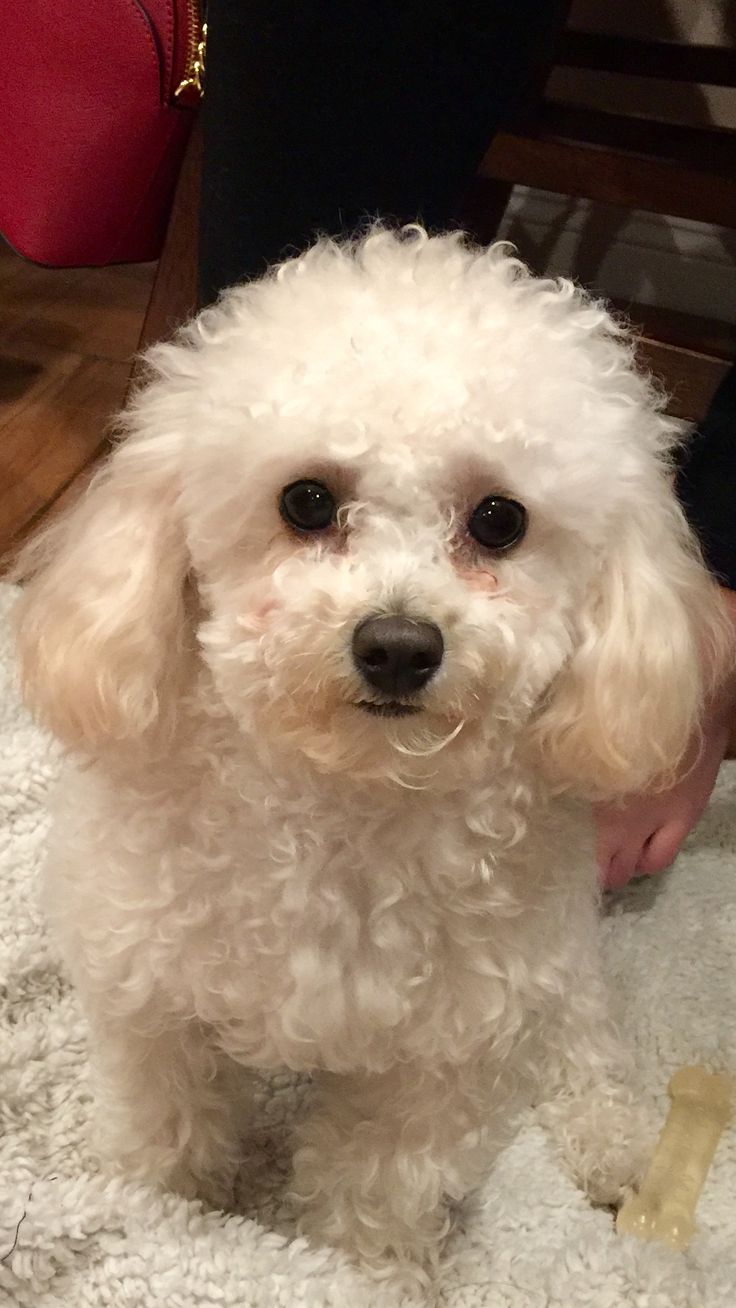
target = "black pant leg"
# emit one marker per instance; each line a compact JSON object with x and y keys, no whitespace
{"x":321,"y":114}
{"x":706,"y":482}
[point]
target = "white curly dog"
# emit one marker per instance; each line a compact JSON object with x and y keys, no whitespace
{"x":385,"y":582}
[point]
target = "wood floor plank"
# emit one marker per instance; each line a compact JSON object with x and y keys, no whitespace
{"x":26,"y":373}
{"x":26,"y":293}
{"x":97,"y":312}
{"x":55,"y":436}
{"x":67,"y":338}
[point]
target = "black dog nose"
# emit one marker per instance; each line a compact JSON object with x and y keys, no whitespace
{"x":397,"y":655}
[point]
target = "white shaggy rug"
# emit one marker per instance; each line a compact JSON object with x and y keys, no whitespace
{"x":71,"y":1237}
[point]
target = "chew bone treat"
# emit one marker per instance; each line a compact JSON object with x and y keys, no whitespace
{"x":664,"y":1208}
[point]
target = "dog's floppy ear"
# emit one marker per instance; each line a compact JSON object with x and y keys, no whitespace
{"x":100,"y":622}
{"x":651,"y":644}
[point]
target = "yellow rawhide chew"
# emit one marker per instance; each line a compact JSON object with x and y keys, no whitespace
{"x":664,"y":1208}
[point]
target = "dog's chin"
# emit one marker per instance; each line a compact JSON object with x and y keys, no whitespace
{"x":404,"y":742}
{"x":388,"y":708}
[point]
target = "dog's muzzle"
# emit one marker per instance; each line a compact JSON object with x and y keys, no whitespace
{"x":397,"y":656}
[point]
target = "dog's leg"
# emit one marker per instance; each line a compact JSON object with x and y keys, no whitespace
{"x":380,"y":1156}
{"x":595,"y":1115}
{"x":169,"y":1106}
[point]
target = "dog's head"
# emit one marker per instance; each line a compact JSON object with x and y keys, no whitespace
{"x":426,"y":503}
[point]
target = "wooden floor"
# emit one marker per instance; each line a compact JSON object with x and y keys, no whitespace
{"x":67,"y":338}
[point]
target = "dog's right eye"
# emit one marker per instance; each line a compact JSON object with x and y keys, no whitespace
{"x":497,"y":523}
{"x":308,"y":506}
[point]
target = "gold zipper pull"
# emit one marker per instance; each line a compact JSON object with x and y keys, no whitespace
{"x":194,"y":80}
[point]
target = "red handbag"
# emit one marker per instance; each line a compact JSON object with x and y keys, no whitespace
{"x":97,"y":103}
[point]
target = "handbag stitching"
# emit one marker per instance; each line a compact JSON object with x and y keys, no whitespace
{"x":145,"y":22}
{"x":170,"y":45}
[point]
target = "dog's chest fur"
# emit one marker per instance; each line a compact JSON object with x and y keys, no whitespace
{"x":312,"y":923}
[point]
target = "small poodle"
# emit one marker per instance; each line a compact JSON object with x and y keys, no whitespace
{"x":384,"y":583}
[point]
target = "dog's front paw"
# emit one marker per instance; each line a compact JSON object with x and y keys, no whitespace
{"x":210,"y":1179}
{"x":376,"y":1239}
{"x":215,"y":1188}
{"x":359,"y":1206}
{"x":604,"y":1138}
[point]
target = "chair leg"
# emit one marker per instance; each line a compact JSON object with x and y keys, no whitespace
{"x":174,"y":295}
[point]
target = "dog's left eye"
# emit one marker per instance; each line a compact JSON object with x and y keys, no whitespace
{"x":497,"y":522}
{"x":308,"y":506}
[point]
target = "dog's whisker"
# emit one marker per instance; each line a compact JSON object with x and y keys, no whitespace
{"x":428,"y":750}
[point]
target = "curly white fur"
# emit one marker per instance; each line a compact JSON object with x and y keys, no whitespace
{"x":250,"y":871}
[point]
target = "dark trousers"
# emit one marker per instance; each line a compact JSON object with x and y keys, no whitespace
{"x":322,"y":114}
{"x":706,"y":482}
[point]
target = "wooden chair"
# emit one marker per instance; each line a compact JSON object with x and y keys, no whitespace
{"x":634,"y":163}
{"x":174,"y":294}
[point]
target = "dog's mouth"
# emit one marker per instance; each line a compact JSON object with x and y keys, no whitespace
{"x":392,"y":708}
